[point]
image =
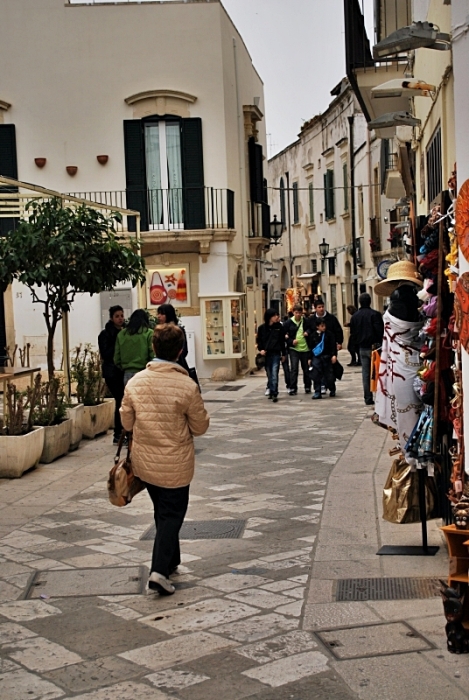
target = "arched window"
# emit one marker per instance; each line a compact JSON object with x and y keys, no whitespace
{"x":283,"y":215}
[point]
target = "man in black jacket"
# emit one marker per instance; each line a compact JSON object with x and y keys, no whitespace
{"x":113,"y":376}
{"x":366,"y":328}
{"x":271,"y":344}
{"x":332,"y":323}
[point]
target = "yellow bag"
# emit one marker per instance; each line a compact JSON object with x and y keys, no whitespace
{"x":401,"y":495}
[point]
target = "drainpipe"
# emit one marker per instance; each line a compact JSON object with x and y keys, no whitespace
{"x":352,"y":212}
{"x":242,"y":168}
{"x":287,"y":175}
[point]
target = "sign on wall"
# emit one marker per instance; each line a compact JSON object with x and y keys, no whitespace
{"x":168,"y":285}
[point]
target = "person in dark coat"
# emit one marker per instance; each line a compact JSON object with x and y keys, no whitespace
{"x":112,"y":375}
{"x":166,"y":313}
{"x":367,"y":328}
{"x":271,"y":344}
{"x":322,"y":361}
{"x":331,"y":321}
{"x":352,"y":347}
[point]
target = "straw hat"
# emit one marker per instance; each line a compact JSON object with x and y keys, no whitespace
{"x":402,"y":271}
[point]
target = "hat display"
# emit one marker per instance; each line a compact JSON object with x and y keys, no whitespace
{"x":402,"y":271}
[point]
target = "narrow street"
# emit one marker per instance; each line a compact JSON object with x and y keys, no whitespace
{"x":293,"y":492}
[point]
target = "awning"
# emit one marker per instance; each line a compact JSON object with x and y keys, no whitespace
{"x":308,"y":276}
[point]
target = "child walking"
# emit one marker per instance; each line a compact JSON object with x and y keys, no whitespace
{"x":324,"y":355}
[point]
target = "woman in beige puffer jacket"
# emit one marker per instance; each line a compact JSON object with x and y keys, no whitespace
{"x":164,"y":409}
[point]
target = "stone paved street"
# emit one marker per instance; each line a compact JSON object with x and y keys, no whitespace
{"x":253,"y":617}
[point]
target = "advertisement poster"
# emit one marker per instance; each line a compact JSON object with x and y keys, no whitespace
{"x":168,"y":285}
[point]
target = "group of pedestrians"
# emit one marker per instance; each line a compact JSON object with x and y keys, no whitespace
{"x":309,"y":342}
{"x":125,"y":351}
{"x":159,"y":404}
{"x":312,"y":343}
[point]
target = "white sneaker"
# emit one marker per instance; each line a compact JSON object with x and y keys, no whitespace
{"x":158,"y":582}
{"x":267,"y":392}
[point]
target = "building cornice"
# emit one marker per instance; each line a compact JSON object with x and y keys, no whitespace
{"x":149,"y":94}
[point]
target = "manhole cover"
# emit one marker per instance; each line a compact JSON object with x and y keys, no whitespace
{"x":373,"y":640}
{"x":72,"y":583}
{"x":228,"y":387}
{"x":386,"y":588}
{"x":205,"y":530}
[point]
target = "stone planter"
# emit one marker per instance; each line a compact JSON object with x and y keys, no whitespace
{"x":56,"y":441}
{"x":75,"y":413}
{"x":98,"y":419}
{"x":18,"y":453}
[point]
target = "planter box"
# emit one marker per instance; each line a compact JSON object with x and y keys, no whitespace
{"x":56,"y":441}
{"x":75,"y":413}
{"x":98,"y":419}
{"x":18,"y":453}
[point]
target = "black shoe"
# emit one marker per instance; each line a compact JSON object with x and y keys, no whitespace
{"x":332,"y":394}
{"x":274,"y":399}
{"x":370,"y":402}
{"x":316,"y":395}
{"x":307,"y":391}
{"x":352,"y":364}
{"x":292,"y":392}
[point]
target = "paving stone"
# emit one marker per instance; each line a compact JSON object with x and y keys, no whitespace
{"x":172,"y":652}
{"x":11,"y":633}
{"x":258,"y":597}
{"x":327,"y":615}
{"x":256,"y":627}
{"x":39,"y":654}
{"x":371,"y":640}
{"x":289,"y":669}
{"x":232,"y":582}
{"x":278,"y":647}
{"x":89,"y":675}
{"x":23,"y":610}
{"x":175,"y":679}
{"x":21,"y":685}
{"x":124,"y":691}
{"x":201,"y":615}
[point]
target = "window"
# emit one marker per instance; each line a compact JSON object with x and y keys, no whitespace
{"x":434,"y":169}
{"x":323,"y":266}
{"x":311,"y":202}
{"x":345,"y":177}
{"x":297,"y":270}
{"x":165,"y":172}
{"x":329,"y":203}
{"x":314,"y":265}
{"x":296,"y":207}
{"x":333,"y":292}
{"x":283,"y":215}
{"x":331,"y":263}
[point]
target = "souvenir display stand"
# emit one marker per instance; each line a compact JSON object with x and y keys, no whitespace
{"x":224,"y":326}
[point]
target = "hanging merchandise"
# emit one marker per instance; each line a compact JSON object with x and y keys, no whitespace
{"x":158,"y":293}
{"x":181,"y":288}
{"x":462,"y":219}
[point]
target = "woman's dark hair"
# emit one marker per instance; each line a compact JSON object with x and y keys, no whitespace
{"x":114,"y":309}
{"x":351,"y":309}
{"x":138,"y":320}
{"x":168,"y":311}
{"x":270,"y":313}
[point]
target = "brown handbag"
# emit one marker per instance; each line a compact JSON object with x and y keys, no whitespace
{"x":122,"y":484}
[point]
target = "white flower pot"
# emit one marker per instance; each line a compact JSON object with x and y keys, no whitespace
{"x":98,"y":419}
{"x":75,"y":413}
{"x":18,"y":453}
{"x":56,"y":441}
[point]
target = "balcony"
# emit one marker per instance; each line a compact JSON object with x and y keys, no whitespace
{"x":362,"y":71}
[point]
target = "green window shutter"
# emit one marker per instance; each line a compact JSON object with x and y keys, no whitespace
{"x":331,"y":194}
{"x":256,"y":171}
{"x":193,"y":173}
{"x":311,"y":203}
{"x":135,"y":175}
{"x":296,"y":204}
{"x":8,"y":168}
{"x":345,"y":172}
{"x":326,"y":196}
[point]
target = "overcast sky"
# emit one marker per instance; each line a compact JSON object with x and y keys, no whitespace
{"x":298,"y":48}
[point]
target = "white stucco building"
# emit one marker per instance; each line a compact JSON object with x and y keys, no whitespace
{"x":153,"y":106}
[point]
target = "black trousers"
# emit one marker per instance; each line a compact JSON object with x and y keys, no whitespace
{"x":170,"y":509}
{"x":297,"y":358}
{"x":323,"y":374}
{"x":116,"y":387}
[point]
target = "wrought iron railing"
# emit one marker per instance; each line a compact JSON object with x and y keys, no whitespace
{"x":179,"y":208}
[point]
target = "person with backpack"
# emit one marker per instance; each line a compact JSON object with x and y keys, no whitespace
{"x":324,"y":356}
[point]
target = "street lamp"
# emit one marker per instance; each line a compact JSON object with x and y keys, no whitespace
{"x":417,"y":35}
{"x":324,"y":249}
{"x":276,"y":230}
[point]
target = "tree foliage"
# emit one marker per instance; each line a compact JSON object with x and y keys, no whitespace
{"x":60,"y":251}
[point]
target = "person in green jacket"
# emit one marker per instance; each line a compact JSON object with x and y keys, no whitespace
{"x":134,"y":345}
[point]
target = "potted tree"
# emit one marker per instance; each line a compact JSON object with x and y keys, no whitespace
{"x":98,"y":412}
{"x":21,"y":445}
{"x":50,"y":412}
{"x":60,"y":251}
